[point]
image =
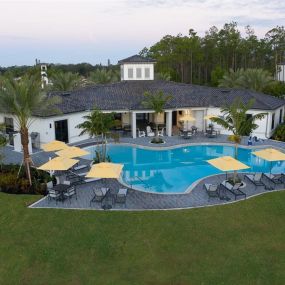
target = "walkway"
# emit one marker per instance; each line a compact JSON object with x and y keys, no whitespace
{"x":138,"y":200}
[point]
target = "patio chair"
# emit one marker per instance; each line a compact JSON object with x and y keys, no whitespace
{"x":255,"y":179}
{"x":161,"y":132}
{"x":273,"y":178}
{"x":121,"y":196}
{"x":212,"y":190}
{"x":149,"y":132}
{"x":66,"y":182}
{"x":194,"y":130}
{"x":99,"y":194}
{"x":141,"y":133}
{"x":70,"y":193}
{"x":187,"y":135}
{"x":234,"y":189}
{"x":53,"y":195}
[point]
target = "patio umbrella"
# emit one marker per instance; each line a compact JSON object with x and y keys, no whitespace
{"x":227,"y":163}
{"x":72,"y":151}
{"x":58,"y":163}
{"x":105,"y":170}
{"x":270,"y":154}
{"x":54,"y":145}
{"x":209,"y":117}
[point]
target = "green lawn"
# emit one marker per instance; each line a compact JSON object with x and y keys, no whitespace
{"x":243,"y":243}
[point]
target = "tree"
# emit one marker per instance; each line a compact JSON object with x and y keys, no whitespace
{"x":102,"y":76}
{"x":22,"y":98}
{"x":156,"y":101}
{"x":237,"y":120}
{"x":98,"y":124}
{"x":162,"y":76}
{"x":232,"y":79}
{"x":65,"y":81}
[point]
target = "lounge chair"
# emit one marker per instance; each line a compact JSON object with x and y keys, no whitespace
{"x":70,"y":193}
{"x":212,"y":190}
{"x":187,"y":135}
{"x":255,"y":179}
{"x":99,"y":194}
{"x":121,"y":196}
{"x":141,"y":133}
{"x":273,"y":178}
{"x":149,"y":132}
{"x":161,"y":132}
{"x":234,"y":189}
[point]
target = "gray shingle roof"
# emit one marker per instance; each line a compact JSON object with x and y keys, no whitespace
{"x":136,"y":59}
{"x":128,"y":95}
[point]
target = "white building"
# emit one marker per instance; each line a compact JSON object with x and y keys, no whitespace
{"x":125,"y":99}
{"x":280,"y":72}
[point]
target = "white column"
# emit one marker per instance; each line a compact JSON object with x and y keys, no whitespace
{"x":169,"y":123}
{"x":134,"y":125}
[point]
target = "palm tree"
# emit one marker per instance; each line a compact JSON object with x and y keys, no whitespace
{"x":156,"y":101}
{"x":165,"y":76}
{"x":232,"y":79}
{"x":256,"y":79}
{"x":98,"y":123}
{"x":65,"y":81}
{"x":22,"y":98}
{"x":236,"y":120}
{"x":102,"y":76}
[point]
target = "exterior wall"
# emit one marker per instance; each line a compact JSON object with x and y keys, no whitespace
{"x":125,"y":67}
{"x":280,"y":72}
{"x":126,"y":119}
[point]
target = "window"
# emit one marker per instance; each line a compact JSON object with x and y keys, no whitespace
{"x":273,"y":121}
{"x":280,"y":116}
{"x":139,"y":72}
{"x":130,"y":73}
{"x":147,"y":72}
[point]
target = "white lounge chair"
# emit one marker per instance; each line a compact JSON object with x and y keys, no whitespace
{"x":161,"y":132}
{"x":149,"y":132}
{"x":141,"y":133}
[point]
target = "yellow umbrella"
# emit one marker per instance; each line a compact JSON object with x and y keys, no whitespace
{"x":270,"y":154}
{"x":54,"y":145}
{"x":187,"y":118}
{"x":59,"y":163}
{"x":72,"y":151}
{"x":209,"y":117}
{"x":227,"y":163}
{"x":105,"y":170}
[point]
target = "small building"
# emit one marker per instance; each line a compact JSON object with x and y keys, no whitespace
{"x":125,"y":99}
{"x":280,"y":72}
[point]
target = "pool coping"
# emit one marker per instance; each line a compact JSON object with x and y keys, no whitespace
{"x":196,"y":182}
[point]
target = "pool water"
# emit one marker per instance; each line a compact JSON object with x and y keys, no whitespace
{"x":174,"y":170}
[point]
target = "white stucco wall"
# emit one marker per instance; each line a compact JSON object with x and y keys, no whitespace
{"x":280,"y":72}
{"x":134,"y":66}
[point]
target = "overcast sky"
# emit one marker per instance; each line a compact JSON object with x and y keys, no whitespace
{"x":66,"y":31}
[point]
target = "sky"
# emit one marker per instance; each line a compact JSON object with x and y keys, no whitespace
{"x":74,"y":31}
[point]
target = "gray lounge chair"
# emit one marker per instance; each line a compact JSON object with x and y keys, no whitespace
{"x":273,"y":178}
{"x":99,"y":194}
{"x":53,"y":195}
{"x":212,"y":190}
{"x":121,"y":196}
{"x":255,"y":179}
{"x":234,"y":189}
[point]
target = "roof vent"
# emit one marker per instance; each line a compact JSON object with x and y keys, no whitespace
{"x":225,"y":90}
{"x":65,"y":94}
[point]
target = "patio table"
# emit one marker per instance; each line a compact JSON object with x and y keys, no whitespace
{"x":61,"y":188}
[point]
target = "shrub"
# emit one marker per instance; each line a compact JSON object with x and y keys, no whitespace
{"x":11,"y":182}
{"x":279,"y":133}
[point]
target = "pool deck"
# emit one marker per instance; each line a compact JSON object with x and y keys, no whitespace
{"x":138,"y":200}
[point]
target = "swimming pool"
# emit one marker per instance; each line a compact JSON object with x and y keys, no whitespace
{"x":174,"y":170}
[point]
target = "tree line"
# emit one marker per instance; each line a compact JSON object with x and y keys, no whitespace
{"x":204,"y":59}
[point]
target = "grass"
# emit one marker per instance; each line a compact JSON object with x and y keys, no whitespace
{"x":242,"y":243}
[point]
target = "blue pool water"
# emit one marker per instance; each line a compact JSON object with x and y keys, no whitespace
{"x":173,"y":171}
